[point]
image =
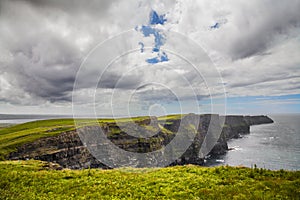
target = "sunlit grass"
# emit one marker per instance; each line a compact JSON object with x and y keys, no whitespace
{"x":13,"y":136}
{"x":171,"y":117}
{"x":37,"y":179}
{"x":34,"y":180}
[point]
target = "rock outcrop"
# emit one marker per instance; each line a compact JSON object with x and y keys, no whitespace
{"x":68,"y":150}
{"x":257,"y":120}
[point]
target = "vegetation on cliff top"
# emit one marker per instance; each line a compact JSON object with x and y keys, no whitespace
{"x":13,"y":136}
{"x":36,"y":180}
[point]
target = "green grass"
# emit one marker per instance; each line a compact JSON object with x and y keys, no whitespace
{"x":171,"y":117}
{"x":120,"y":120}
{"x":31,"y":180}
{"x":13,"y":136}
{"x":37,"y":180}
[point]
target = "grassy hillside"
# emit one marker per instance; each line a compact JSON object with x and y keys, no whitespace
{"x":38,"y":180}
{"x":13,"y":136}
{"x":34,"y":180}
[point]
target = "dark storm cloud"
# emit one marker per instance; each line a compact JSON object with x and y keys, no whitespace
{"x":261,"y":23}
{"x":44,"y":59}
{"x":45,"y":67}
{"x":91,"y":7}
{"x":47,"y":41}
{"x":117,"y":81}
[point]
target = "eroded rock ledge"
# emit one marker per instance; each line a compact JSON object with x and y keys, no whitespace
{"x":68,"y":150}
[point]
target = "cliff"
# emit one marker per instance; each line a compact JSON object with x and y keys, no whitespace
{"x":67,"y":148}
{"x":257,"y":120}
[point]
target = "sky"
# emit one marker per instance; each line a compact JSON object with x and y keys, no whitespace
{"x":155,"y":57}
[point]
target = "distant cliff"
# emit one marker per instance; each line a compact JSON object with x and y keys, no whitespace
{"x":236,"y":126}
{"x":256,"y":120}
{"x":68,"y":150}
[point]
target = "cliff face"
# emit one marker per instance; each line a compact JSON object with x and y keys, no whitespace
{"x":235,"y":127}
{"x":68,"y":150}
{"x":256,"y":120}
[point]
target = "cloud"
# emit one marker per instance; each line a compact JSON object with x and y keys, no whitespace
{"x":118,"y":81}
{"x":266,"y":21}
{"x":93,"y":7}
{"x":254,"y":44}
{"x":248,"y":28}
{"x":46,"y":45}
{"x":274,"y":74}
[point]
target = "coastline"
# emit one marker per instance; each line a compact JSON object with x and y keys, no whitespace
{"x":68,"y":153}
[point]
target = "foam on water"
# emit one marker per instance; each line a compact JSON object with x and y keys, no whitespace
{"x":272,"y":146}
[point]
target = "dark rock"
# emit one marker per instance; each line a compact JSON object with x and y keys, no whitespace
{"x":256,"y":120}
{"x":202,"y":131}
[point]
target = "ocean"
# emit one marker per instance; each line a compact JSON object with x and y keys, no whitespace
{"x":270,"y":146}
{"x":18,"y":119}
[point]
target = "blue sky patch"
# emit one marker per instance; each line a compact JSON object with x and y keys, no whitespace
{"x":259,"y":104}
{"x":156,"y":19}
{"x":159,"y":37}
{"x":148,"y":30}
{"x":153,"y":60}
{"x":158,"y":59}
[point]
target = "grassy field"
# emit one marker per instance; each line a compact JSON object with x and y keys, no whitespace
{"x":14,"y":136}
{"x":39,"y":180}
{"x":34,"y":180}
